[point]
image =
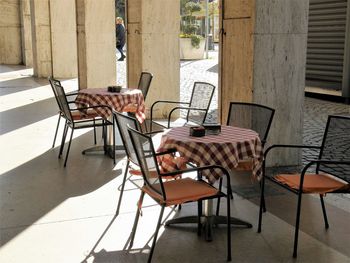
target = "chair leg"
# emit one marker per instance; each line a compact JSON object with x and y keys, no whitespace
{"x":65,"y":130}
{"x":324,"y":213}
{"x":70,"y":142}
{"x":95,"y":141}
{"x":113,"y":130}
{"x":228,"y":227}
{"x":296,"y":235}
{"x":133,"y":231}
{"x":200,"y":212}
{"x":262,"y":202}
{"x":122,"y":189}
{"x":58,"y":125}
{"x":156,"y":234}
{"x":218,"y":202}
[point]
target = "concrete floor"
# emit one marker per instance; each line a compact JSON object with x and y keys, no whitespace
{"x":54,"y":214}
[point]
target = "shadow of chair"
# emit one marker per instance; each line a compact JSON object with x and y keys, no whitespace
{"x":79,"y":118}
{"x":331,"y":170}
{"x":174,"y":192}
{"x":196,"y":109}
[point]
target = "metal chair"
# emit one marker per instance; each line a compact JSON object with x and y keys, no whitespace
{"x":174,"y":192}
{"x":331,"y":175}
{"x":78,"y":118}
{"x":123,"y":122}
{"x":197,"y":108}
{"x":60,"y":115}
{"x":144,"y":83}
{"x":251,"y":116}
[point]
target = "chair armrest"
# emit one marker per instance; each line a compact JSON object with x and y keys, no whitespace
{"x":73,"y":93}
{"x":289,"y":146}
{"x":182,"y":108}
{"x":164,"y":101}
{"x":202,"y":168}
{"x":94,"y":107}
{"x":172,"y":150}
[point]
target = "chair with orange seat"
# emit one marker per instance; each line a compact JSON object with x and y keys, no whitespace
{"x":78,"y":118}
{"x":331,"y":170}
{"x":123,"y":122}
{"x":174,"y":192}
{"x":256,"y":117}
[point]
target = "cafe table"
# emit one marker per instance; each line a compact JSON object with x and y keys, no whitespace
{"x":226,"y":149}
{"x":119,"y":101}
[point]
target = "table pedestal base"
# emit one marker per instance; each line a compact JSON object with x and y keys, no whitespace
{"x":208,"y":222}
{"x":108,"y":150}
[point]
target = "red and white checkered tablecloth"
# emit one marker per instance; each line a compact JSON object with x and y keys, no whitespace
{"x":118,"y":101}
{"x":226,"y":149}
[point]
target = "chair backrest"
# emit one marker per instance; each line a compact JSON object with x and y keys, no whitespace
{"x":61,"y":98}
{"x":147,"y":161}
{"x":336,"y":146}
{"x":144,"y":83}
{"x":251,"y":116}
{"x":123,"y":122}
{"x":201,"y":97}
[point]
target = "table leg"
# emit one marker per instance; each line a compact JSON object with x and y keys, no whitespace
{"x":208,"y":220}
{"x":108,"y":150}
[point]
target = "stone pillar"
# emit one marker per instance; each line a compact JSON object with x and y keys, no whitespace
{"x":63,"y":38}
{"x":10,"y":32}
{"x":263,"y":61}
{"x":41,"y":36}
{"x":26,"y":23}
{"x":153,"y":45}
{"x":96,"y":43}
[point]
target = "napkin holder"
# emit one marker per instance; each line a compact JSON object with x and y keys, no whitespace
{"x":114,"y":88}
{"x":212,"y":128}
{"x":197,"y":131}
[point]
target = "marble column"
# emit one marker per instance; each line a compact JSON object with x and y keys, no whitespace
{"x":263,"y":61}
{"x":153,"y":45}
{"x":63,"y":38}
{"x":10,"y":32}
{"x":41,"y":38}
{"x":27,"y":49}
{"x":96,"y":43}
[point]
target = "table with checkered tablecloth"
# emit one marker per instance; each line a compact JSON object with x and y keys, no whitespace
{"x":117,"y":100}
{"x":226,"y":149}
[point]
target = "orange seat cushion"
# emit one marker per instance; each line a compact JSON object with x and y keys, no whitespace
{"x":244,"y":165}
{"x":181,"y":191}
{"x":313,"y":183}
{"x":130,"y":108}
{"x":91,"y":114}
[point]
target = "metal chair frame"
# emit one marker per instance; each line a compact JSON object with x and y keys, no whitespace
{"x":152,"y":154}
{"x":318,"y":163}
{"x":188,"y":108}
{"x":77,"y":124}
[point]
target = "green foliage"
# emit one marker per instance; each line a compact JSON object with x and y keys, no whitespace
{"x":188,"y":21}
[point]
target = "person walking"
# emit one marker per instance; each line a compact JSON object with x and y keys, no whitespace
{"x":120,"y":35}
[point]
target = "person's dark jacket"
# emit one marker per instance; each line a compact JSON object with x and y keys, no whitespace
{"x":120,"y":35}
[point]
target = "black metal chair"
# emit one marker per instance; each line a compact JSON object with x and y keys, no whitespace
{"x":78,"y":118}
{"x":251,"y":116}
{"x":174,"y":192}
{"x":123,"y":122}
{"x":60,"y":114}
{"x":197,"y":108}
{"x":144,"y":83}
{"x":330,"y":174}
